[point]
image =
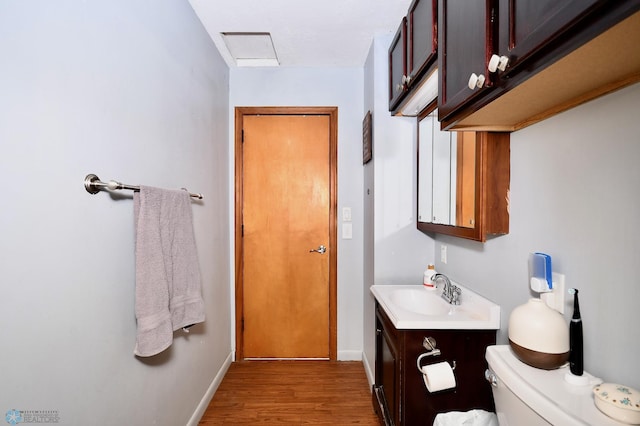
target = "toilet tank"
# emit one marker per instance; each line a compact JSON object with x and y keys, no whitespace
{"x":528,"y":396}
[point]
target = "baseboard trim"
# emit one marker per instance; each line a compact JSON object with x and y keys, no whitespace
{"x":368,"y":370}
{"x":213,"y":387}
{"x":349,"y":355}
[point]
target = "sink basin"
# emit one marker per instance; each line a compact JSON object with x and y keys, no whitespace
{"x":420,"y":301}
{"x":414,"y":307}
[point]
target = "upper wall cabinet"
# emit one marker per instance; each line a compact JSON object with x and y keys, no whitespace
{"x":422,"y":43}
{"x":413,"y":51}
{"x":465,"y":38}
{"x":517,"y":62}
{"x":398,"y":65}
{"x":525,"y":27}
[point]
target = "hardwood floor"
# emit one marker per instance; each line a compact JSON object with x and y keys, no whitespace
{"x":292,"y":393}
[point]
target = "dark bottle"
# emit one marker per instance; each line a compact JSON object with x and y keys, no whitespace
{"x":576,"y":361}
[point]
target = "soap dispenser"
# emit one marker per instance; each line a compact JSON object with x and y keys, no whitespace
{"x":427,"y":280}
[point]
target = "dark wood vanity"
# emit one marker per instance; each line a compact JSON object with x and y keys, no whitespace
{"x":400,"y":396}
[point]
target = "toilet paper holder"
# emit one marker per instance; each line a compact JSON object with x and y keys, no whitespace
{"x":429,"y":344}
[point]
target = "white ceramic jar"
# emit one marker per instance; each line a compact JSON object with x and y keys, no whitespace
{"x":539,"y":335}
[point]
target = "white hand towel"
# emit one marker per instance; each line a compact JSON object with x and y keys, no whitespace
{"x":168,"y":287}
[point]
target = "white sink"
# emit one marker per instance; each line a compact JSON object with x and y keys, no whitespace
{"x":414,"y":307}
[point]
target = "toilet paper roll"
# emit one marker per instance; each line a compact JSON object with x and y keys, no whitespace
{"x":438,"y":376}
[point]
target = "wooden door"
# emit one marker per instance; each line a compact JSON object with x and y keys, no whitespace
{"x":286,"y":212}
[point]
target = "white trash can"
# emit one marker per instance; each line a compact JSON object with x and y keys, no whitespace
{"x":466,"y":418}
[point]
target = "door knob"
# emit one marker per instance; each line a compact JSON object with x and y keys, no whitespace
{"x":321,"y":250}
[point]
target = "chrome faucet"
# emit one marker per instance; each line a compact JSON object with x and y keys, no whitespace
{"x":450,"y":292}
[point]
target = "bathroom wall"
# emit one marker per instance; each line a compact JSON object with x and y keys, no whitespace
{"x":575,"y":195}
{"x":341,"y":87}
{"x":395,"y":251}
{"x":133,"y":91}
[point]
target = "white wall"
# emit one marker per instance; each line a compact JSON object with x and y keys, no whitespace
{"x":397,"y":253}
{"x":575,"y":195}
{"x":131,"y":91}
{"x":341,"y":87}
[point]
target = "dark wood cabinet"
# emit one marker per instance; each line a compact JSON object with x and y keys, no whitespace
{"x":531,"y":36}
{"x":483,"y":174}
{"x":526,"y":26}
{"x":466,"y":42}
{"x":422,"y":38}
{"x":413,"y":51}
{"x":399,"y":388}
{"x":398,"y":65}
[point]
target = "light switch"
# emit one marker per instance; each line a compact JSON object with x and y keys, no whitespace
{"x":347,"y":231}
{"x":346,"y":214}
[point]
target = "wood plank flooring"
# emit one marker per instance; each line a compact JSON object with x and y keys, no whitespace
{"x":292,"y":393}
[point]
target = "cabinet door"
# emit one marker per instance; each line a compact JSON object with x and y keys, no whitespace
{"x":465,"y":44}
{"x":388,"y":367}
{"x":466,"y":180}
{"x":422,"y":37}
{"x":398,"y":65}
{"x":526,"y":26}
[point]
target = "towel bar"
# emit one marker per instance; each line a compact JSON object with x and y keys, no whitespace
{"x":93,"y":185}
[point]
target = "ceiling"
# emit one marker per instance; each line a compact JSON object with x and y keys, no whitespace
{"x":305,"y":33}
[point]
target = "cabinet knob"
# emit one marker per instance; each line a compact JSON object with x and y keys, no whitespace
{"x":480,"y":81}
{"x":498,"y":63}
{"x":476,"y":81}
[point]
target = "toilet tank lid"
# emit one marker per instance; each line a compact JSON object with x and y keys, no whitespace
{"x":546,"y":391}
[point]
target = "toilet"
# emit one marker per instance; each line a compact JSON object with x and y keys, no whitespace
{"x":528,"y":396}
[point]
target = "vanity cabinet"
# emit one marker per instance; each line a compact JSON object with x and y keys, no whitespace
{"x":413,"y":50}
{"x":490,"y":47}
{"x":400,"y":396}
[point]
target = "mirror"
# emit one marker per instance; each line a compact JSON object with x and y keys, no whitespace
{"x":463,"y":180}
{"x":446,"y":174}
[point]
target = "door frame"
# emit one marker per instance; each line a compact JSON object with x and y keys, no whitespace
{"x":332,"y":112}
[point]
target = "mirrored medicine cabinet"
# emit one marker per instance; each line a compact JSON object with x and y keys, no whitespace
{"x":463,"y":180}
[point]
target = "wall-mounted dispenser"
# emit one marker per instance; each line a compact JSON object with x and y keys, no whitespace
{"x":538,"y":333}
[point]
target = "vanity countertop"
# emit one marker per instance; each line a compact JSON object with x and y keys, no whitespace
{"x":414,"y":307}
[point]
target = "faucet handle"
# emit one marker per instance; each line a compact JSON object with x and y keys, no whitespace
{"x":456,"y":293}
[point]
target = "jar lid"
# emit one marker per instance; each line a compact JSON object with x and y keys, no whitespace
{"x":618,"y":395}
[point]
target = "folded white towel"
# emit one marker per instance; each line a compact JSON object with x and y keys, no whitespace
{"x":168,"y":287}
